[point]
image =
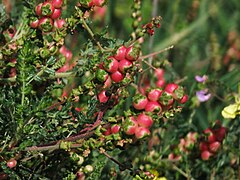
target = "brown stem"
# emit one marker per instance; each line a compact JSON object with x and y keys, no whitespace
{"x":55,"y":145}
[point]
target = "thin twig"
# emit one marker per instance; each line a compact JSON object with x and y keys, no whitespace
{"x":90,"y":32}
{"x":155,"y":53}
{"x":180,"y":171}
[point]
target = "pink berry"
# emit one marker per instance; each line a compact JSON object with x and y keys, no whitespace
{"x":184,"y":99}
{"x":117,"y":76}
{"x":144,"y":120}
{"x":139,"y":101}
{"x":205,"y":155}
{"x":110,"y":64}
{"x":159,"y":73}
{"x":102,"y":96}
{"x":142,"y":132}
{"x":59,"y":23}
{"x":210,"y":135}
{"x":47,"y":9}
{"x":153,"y":106}
{"x":160,"y":83}
{"x":124,"y":65}
{"x":130,"y":125}
{"x":98,"y":3}
{"x":38,"y":9}
{"x":115,"y":129}
{"x":171,"y":87}
{"x":57,"y":3}
{"x":214,"y":147}
{"x":56,"y":13}
{"x":45,"y":24}
{"x":107,"y":84}
{"x":154,"y":94}
{"x":11,"y":163}
{"x":132,"y":53}
{"x":120,"y":53}
{"x":34,"y":24}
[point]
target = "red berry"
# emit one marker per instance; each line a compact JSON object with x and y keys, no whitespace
{"x":107,"y":83}
{"x":153,"y":106}
{"x":110,"y":64}
{"x":34,"y":24}
{"x":142,"y":132}
{"x":166,"y":99}
{"x":160,"y":83}
{"x":159,"y":73}
{"x":192,"y":136}
{"x":214,"y":147}
{"x":117,"y":76}
{"x":102,"y":96}
{"x":132,"y":53}
{"x":154,"y":94}
{"x":98,"y":3}
{"x":68,"y":55}
{"x":170,"y":88}
{"x":130,"y":125}
{"x":107,"y":131}
{"x":205,"y":155}
{"x":59,"y":23}
{"x":210,"y":135}
{"x":139,"y":101}
{"x":203,"y":146}
{"x":45,"y":24}
{"x":120,"y":53}
{"x":220,"y":133}
{"x":184,"y":99}
{"x":56,"y":13}
{"x":57,"y":3}
{"x":144,"y":120}
{"x":171,"y":156}
{"x":124,"y":65}
{"x":11,"y":163}
{"x":38,"y":9}
{"x":115,"y":129}
{"x":47,"y":9}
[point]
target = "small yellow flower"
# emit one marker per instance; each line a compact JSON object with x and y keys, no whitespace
{"x":231,"y":111}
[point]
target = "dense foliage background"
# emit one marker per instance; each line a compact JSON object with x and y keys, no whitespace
{"x":200,"y":37}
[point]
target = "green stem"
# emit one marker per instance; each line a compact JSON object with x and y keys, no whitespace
{"x":90,"y":32}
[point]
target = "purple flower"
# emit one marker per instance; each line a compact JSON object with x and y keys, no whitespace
{"x":203,"y":95}
{"x":201,"y":79}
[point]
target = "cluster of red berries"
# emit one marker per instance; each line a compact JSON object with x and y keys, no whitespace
{"x":211,"y":140}
{"x":185,"y":146}
{"x":115,"y":68}
{"x":209,"y":143}
{"x":138,"y":126}
{"x":149,"y":27}
{"x":48,"y":14}
{"x":159,"y":99}
{"x":152,"y":100}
